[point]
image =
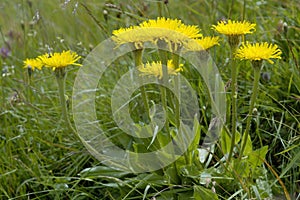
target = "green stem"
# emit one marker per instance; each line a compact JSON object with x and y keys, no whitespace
{"x":3,"y":97}
{"x":234,"y":73}
{"x":174,"y":179}
{"x":163,"y":90}
{"x":244,"y":10}
{"x":159,"y":8}
{"x":252,"y":103}
{"x":138,"y":55}
{"x":29,"y":92}
{"x":165,"y":106}
{"x":177,"y":90}
{"x":2,"y":87}
{"x":258,"y":132}
{"x":230,"y":9}
{"x":188,"y":154}
{"x":60,"y":78}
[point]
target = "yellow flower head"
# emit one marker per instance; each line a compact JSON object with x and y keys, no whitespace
{"x":202,"y":43}
{"x":60,"y":60}
{"x":172,"y":31}
{"x":132,"y":34}
{"x":33,"y":63}
{"x":258,"y":51}
{"x":155,"y":69}
{"x":234,"y":27}
{"x":189,"y":31}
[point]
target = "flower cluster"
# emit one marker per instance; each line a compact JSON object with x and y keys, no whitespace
{"x":178,"y":35}
{"x":53,"y":60}
{"x":172,"y":31}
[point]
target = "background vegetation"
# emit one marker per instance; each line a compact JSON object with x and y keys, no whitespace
{"x":40,"y":159}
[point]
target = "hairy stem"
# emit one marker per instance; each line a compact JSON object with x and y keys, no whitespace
{"x":60,"y":78}
{"x":138,"y":55}
{"x":252,"y":103}
{"x":234,"y":73}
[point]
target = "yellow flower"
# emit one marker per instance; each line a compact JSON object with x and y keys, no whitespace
{"x":202,"y":43}
{"x":60,"y":60}
{"x":258,"y":51}
{"x":155,"y":69}
{"x":132,"y":34}
{"x":33,"y":63}
{"x":189,"y":31}
{"x":234,"y":27}
{"x":172,"y":31}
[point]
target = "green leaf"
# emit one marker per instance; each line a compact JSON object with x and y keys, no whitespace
{"x":171,"y":175}
{"x":175,"y":193}
{"x":257,"y":157}
{"x":250,"y":165}
{"x":241,"y":167}
{"x":143,"y":180}
{"x":185,"y":195}
{"x":190,"y":171}
{"x":192,"y":151}
{"x":226,"y":141}
{"x":154,"y":136}
{"x":139,"y":148}
{"x":201,"y":193}
{"x":102,"y":171}
{"x":248,"y":147}
{"x":197,"y":134}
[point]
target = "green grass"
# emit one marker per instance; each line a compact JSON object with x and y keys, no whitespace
{"x":41,"y":159}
